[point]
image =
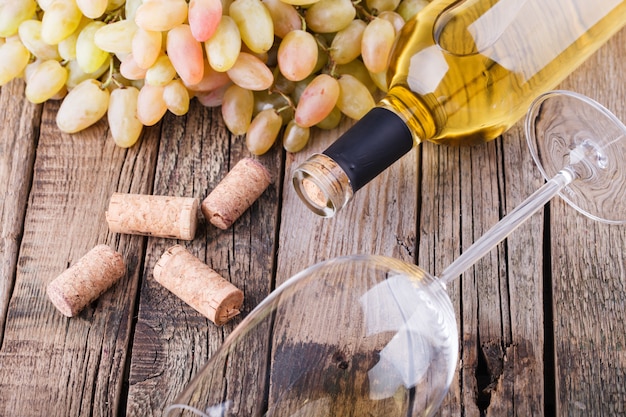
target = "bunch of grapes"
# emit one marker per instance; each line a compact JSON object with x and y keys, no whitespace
{"x":274,"y":66}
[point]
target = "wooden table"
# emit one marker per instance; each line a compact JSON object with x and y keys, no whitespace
{"x":542,"y":326}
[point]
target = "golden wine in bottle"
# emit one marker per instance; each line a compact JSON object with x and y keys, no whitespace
{"x":462,"y":72}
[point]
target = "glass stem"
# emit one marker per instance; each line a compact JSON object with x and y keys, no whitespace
{"x":507,"y":225}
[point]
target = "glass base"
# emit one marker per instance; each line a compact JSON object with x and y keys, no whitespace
{"x":566,"y":129}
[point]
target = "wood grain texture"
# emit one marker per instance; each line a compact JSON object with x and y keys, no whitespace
{"x":541,"y":317}
{"x":588,"y":273}
{"x":51,"y":364}
{"x":19,"y":132}
{"x":172,"y":341}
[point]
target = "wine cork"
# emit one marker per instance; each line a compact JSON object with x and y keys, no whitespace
{"x":86,"y":280}
{"x":235,"y":193}
{"x":153,"y":215}
{"x":198,"y":285}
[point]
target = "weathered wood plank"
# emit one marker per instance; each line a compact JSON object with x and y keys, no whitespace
{"x":172,"y":341}
{"x":19,"y":132}
{"x":588,"y":271}
{"x":52,"y":365}
{"x":463,"y":195}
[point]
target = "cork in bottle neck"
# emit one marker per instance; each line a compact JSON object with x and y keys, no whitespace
{"x":322,"y":185}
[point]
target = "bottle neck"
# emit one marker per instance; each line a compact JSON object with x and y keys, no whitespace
{"x":372,"y":145}
{"x":327,"y":181}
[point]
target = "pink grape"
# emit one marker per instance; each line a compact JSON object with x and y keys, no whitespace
{"x":297,"y":55}
{"x":317,"y":100}
{"x":146,"y":47}
{"x":150,"y":105}
{"x":130,"y":69}
{"x":251,"y":73}
{"x":161,"y":15}
{"x":185,"y":52}
{"x":204,"y":16}
{"x":212,"y":98}
{"x":211,"y":80}
{"x":284,"y":16}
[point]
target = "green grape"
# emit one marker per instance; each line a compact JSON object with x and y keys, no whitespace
{"x":223,"y":48}
{"x":76,"y":75}
{"x":382,"y":5}
{"x":255,"y":24}
{"x":161,"y":72}
{"x":263,"y":131}
{"x":354,"y":98}
{"x":30,"y":35}
{"x":376,"y":44}
{"x":46,"y":80}
{"x":409,"y":8}
{"x":83,"y":106}
{"x":88,"y":55}
{"x":14,"y":57}
{"x":116,"y":37}
{"x":332,"y":120}
{"x":13,"y":13}
{"x":329,"y":16}
{"x":92,"y":9}
{"x":124,"y":125}
{"x":237,"y":109}
{"x":357,"y":69}
{"x":295,"y":137}
{"x":176,"y":97}
{"x":346,"y":45}
{"x":59,"y":21}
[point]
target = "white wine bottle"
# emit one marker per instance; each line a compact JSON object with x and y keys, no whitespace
{"x":462,"y":72}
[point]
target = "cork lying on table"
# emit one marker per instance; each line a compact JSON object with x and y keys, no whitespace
{"x":241,"y":187}
{"x":198,"y":285}
{"x":153,"y":215}
{"x":86,"y":280}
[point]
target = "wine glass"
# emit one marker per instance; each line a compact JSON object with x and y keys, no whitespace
{"x":372,"y":335}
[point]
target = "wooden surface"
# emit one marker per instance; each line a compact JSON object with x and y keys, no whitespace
{"x":541,"y":318}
